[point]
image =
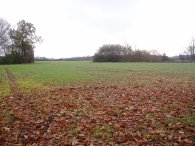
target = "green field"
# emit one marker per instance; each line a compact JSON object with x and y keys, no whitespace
{"x":42,"y":75}
{"x":97,"y":103}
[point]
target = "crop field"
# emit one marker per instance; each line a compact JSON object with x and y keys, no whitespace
{"x":86,"y":103}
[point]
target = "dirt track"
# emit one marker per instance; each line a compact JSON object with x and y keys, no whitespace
{"x":13,"y":84}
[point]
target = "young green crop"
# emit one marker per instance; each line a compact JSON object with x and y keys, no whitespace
{"x":50,"y":74}
{"x":67,"y":71}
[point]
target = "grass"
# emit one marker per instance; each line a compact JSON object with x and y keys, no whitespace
{"x":1,"y":70}
{"x":189,"y":119}
{"x":44,"y":75}
{"x":102,"y":132}
{"x":81,"y":71}
{"x":4,"y":85}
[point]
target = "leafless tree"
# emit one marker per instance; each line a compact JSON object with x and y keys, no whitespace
{"x":190,"y":51}
{"x":4,"y":36}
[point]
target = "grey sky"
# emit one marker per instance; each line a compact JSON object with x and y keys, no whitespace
{"x":79,"y":27}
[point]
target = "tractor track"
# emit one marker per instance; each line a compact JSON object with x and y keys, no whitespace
{"x":14,"y":87}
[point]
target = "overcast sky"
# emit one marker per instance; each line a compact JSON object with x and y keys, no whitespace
{"x":79,"y":27}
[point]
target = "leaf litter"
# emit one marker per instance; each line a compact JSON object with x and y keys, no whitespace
{"x":95,"y":114}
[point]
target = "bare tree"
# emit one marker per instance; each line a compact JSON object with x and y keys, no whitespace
{"x":4,"y":36}
{"x":127,"y":49}
{"x":190,"y":51}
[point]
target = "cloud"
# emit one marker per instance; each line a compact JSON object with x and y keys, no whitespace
{"x":79,"y":27}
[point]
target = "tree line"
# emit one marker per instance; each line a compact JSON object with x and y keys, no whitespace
{"x":17,"y":46}
{"x":125,"y":53}
{"x":17,"y":43}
